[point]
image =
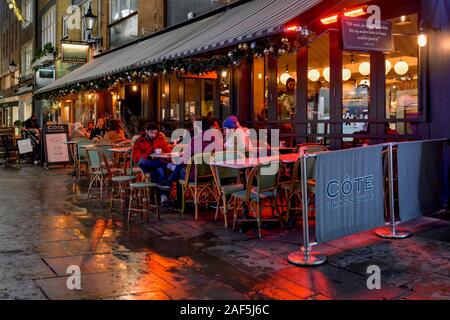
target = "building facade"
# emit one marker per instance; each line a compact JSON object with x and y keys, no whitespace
{"x":10,"y":55}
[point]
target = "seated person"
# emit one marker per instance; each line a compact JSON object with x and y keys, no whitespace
{"x":116,"y":134}
{"x":179,"y":171}
{"x":241,"y":140}
{"x":90,"y":128}
{"x":151,"y":140}
{"x":100,"y":130}
{"x":79,"y":131}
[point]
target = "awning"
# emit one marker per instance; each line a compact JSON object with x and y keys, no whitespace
{"x":248,"y":21}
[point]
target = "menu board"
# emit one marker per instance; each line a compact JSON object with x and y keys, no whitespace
{"x":56,"y":149}
{"x":357,"y":36}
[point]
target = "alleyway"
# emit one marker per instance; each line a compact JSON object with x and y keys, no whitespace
{"x":47,"y":224}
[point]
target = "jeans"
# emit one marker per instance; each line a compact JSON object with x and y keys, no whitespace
{"x":156,"y":168}
{"x":178,"y":174}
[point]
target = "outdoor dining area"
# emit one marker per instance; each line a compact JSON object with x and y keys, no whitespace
{"x":252,"y":185}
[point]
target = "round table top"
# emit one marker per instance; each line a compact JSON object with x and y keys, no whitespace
{"x":121,"y":150}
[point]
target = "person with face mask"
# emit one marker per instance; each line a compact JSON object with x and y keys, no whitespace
{"x":145,"y":146}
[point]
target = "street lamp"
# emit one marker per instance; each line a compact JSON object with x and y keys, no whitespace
{"x":12,"y":69}
{"x":89,"y":21}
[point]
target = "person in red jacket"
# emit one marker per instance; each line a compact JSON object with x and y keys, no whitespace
{"x":145,"y":146}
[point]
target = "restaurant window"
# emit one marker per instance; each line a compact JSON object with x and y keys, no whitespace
{"x":207,"y":99}
{"x":286,"y":80}
{"x":319,"y":88}
{"x":225,"y":93}
{"x":122,"y":8}
{"x":356,"y":84}
{"x":190,"y":98}
{"x":402,"y":76}
{"x":174,"y":106}
{"x":260,"y":92}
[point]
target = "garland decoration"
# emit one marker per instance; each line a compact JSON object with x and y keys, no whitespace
{"x":276,"y":46}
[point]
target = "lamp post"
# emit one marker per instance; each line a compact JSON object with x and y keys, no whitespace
{"x":13,"y":69}
{"x":90,"y":20}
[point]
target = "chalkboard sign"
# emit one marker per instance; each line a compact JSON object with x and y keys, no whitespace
{"x":55,"y":144}
{"x":357,"y":36}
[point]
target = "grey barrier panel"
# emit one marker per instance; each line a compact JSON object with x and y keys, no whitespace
{"x":349,"y":192}
{"x":420,"y":167}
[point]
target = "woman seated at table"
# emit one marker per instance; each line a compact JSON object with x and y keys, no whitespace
{"x":100,"y":130}
{"x":79,"y":131}
{"x":115,"y":134}
{"x":237,"y":137}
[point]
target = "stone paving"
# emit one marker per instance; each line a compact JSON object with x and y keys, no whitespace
{"x":47,"y":224}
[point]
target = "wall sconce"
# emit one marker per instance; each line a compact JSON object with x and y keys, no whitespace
{"x":135,"y":88}
{"x":422,"y":39}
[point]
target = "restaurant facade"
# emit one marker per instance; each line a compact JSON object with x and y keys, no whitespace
{"x":342,"y":73}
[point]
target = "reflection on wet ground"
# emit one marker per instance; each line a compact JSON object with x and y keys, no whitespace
{"x":47,"y":224}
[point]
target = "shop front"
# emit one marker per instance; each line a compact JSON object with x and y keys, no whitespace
{"x":313,"y":69}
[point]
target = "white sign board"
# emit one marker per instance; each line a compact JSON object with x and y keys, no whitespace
{"x":25,"y":146}
{"x":57,"y":151}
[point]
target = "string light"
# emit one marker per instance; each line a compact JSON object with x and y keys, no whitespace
{"x":13,"y":6}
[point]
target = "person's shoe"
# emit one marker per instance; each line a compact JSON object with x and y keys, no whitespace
{"x":165,"y":185}
{"x":164,"y":199}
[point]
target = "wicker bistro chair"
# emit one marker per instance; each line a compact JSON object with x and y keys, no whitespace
{"x":226,"y":181}
{"x":105,"y":149}
{"x":99,"y":176}
{"x":311,"y":148}
{"x":260,"y":188}
{"x":202,"y":186}
{"x":82,"y":157}
{"x":120,"y":187}
{"x":293,"y":188}
{"x":140,"y":199}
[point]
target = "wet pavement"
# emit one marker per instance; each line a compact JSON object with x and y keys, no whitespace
{"x":47,"y":224}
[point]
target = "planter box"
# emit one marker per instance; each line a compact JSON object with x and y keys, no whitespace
{"x":44,"y":61}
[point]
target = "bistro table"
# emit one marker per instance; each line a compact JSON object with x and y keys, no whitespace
{"x":170,"y":155}
{"x":249,"y":163}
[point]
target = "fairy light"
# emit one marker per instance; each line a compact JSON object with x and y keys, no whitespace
{"x":13,"y":6}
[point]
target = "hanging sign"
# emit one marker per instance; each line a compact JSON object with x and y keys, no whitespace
{"x":357,"y":36}
{"x":75,"y":53}
{"x":55,"y":144}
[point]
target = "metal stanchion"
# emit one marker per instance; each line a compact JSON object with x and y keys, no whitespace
{"x":305,"y":257}
{"x":391,"y":231}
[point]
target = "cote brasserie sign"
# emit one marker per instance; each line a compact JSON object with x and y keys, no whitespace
{"x":357,"y":35}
